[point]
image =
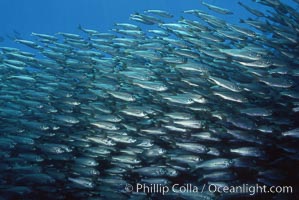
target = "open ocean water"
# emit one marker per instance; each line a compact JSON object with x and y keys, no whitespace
{"x":165,"y":99}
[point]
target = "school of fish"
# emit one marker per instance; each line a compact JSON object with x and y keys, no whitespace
{"x":188,"y":101}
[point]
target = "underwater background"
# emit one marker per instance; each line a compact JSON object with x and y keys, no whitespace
{"x":51,"y":17}
{"x":160,"y":99}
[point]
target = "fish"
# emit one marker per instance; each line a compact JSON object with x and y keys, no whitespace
{"x":152,"y":171}
{"x":251,"y":10}
{"x":83,"y":182}
{"x":161,"y":99}
{"x":215,"y":164}
{"x":225,"y":84}
{"x":161,"y":13}
{"x":230,"y":96}
{"x":291,"y":133}
{"x":217,"y":9}
{"x":248,"y":151}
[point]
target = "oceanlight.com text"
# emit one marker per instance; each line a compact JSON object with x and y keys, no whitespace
{"x":213,"y":188}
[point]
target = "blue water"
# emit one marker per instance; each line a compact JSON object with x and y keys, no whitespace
{"x":18,"y":18}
